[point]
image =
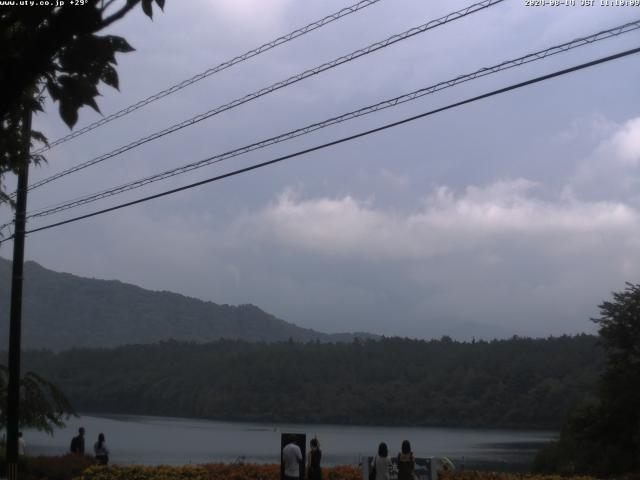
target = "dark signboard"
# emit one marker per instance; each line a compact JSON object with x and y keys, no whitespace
{"x":300,"y":439}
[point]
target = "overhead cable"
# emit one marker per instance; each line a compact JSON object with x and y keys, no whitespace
{"x":531,"y":57}
{"x":213,"y":70}
{"x":342,"y":140}
{"x":276,"y":86}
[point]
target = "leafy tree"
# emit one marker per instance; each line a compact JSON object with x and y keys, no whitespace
{"x":43,"y":405}
{"x":55,"y":50}
{"x":604,"y":438}
{"x":509,"y":383}
{"x":619,"y":410}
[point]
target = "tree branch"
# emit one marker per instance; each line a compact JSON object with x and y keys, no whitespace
{"x":119,"y":14}
{"x":105,"y":7}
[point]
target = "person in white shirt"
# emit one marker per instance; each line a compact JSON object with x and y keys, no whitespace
{"x":22,"y":446}
{"x":382,"y":463}
{"x":101,"y":451}
{"x":292,"y":458}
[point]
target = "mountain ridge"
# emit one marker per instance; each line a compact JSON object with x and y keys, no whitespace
{"x":63,"y":310}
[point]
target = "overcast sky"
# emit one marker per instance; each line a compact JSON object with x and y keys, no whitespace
{"x":517,"y":214}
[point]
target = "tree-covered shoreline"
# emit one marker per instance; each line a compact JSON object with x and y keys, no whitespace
{"x":515,"y":383}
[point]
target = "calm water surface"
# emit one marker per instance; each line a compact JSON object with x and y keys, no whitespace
{"x":155,"y":440}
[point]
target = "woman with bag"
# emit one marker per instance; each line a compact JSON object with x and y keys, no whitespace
{"x":379,"y":469}
{"x":101,"y":451}
{"x":406,"y":462}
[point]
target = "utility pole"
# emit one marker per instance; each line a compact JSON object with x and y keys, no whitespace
{"x":15,"y":324}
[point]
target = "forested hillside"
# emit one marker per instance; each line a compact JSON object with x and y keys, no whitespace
{"x":507,"y":383}
{"x":62,"y":311}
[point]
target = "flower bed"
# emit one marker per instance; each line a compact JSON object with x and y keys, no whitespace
{"x":65,"y":467}
{"x":214,"y":471}
{"x":73,"y":467}
{"x":473,"y":475}
{"x":223,"y":471}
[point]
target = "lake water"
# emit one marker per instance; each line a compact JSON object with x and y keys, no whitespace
{"x":155,"y":440}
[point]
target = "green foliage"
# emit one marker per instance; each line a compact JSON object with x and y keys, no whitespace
{"x":66,"y":467}
{"x":620,"y":387}
{"x":42,"y":405}
{"x":511,"y":383}
{"x":55,"y":49}
{"x":604,"y":438}
{"x":12,"y":141}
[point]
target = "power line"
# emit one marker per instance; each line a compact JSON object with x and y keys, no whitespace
{"x":213,"y":70}
{"x":344,"y":139}
{"x":541,"y":54}
{"x":531,"y":57}
{"x":278,"y":85}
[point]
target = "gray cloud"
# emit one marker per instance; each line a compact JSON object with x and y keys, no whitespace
{"x":514,"y":215}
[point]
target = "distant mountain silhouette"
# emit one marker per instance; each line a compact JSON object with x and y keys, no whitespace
{"x":61,"y":311}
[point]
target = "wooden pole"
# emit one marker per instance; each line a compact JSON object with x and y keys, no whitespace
{"x":15,"y":324}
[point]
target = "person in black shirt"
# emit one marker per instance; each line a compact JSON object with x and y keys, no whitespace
{"x":77,"y":443}
{"x":314,"y":472}
{"x":406,"y":462}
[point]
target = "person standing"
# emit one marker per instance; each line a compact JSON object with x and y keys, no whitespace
{"x":314,"y":472}
{"x":77,"y":443}
{"x":382,"y":463}
{"x":22,"y":446}
{"x":406,"y":462}
{"x":101,"y":451}
{"x":292,"y":458}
